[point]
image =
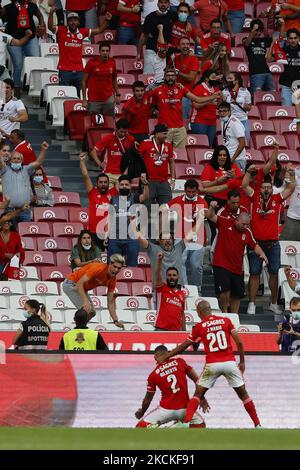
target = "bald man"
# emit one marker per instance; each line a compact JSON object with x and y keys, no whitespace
{"x":233,"y":236}
{"x":216,"y":332}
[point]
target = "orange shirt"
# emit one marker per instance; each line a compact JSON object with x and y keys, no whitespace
{"x":97,"y":274}
{"x":295,"y":23}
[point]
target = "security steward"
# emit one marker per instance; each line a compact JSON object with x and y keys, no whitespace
{"x":81,"y":338}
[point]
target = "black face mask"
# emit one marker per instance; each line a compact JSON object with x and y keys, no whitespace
{"x":213,"y":82}
{"x":124,"y":191}
{"x":230,"y":85}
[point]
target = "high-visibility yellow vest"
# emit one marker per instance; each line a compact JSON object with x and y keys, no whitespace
{"x":81,"y":339}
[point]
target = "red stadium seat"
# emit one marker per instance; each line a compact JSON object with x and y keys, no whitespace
{"x":93,"y":135}
{"x":131,"y":274}
{"x":76,"y":122}
{"x":288,"y":130}
{"x":142,"y":288}
{"x":34,"y":229}
{"x":125,"y":79}
{"x":286,"y":156}
{"x":72,"y":105}
{"x":180,"y":155}
{"x":280,"y":112}
{"x":55,"y":183}
{"x":241,"y":67}
{"x":148,"y":273}
{"x":90,"y":50}
{"x":152,"y":123}
{"x":28,"y":244}
{"x":255,"y":156}
{"x":123,"y":288}
{"x":143,"y":259}
{"x":146,"y":78}
{"x":53,"y":244}
{"x":197,"y":141}
{"x":54,"y":274}
{"x":63,"y":258}
{"x":202,"y":155}
{"x":53,"y":214}
{"x":66,"y":199}
{"x":237,"y":55}
{"x":118,"y":50}
{"x":39,"y":258}
{"x":132,"y":66}
{"x":254,"y":113}
{"x":239,"y":39}
{"x":107,"y":35}
{"x":264,"y":141}
{"x":261,"y":127}
{"x":108,"y":124}
{"x":265,"y":100}
{"x":188,"y":171}
{"x":249,"y":9}
{"x":67,"y":229}
{"x":77,"y":214}
{"x":126,"y":94}
{"x":261,"y":6}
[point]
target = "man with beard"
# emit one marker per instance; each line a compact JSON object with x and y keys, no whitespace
{"x":99,"y":200}
{"x":167,"y":98}
{"x":170,"y":299}
{"x":137,"y":112}
{"x":266,"y":207}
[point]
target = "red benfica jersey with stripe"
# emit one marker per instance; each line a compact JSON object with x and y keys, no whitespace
{"x":170,"y":378}
{"x":170,"y":307}
{"x":98,"y":207}
{"x":214,"y":333}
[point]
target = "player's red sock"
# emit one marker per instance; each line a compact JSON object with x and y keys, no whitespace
{"x":202,"y":425}
{"x":250,"y":408}
{"x":191,"y":408}
{"x":142,"y":424}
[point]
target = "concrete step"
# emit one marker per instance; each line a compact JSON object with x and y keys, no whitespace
{"x":53,"y":148}
{"x":63,"y":165}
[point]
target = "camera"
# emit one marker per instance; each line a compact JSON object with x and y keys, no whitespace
{"x":286,"y":326}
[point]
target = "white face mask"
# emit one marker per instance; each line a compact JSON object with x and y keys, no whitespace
{"x":86,"y":247}
{"x":296,"y":315}
{"x":163,"y":12}
{"x":194,"y":198}
{"x":26,"y":314}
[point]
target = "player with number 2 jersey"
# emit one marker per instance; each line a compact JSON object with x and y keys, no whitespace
{"x":170,"y":377}
{"x":215,"y":332}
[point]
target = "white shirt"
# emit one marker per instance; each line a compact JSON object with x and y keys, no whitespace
{"x":294,"y":208}
{"x":149,"y":7}
{"x":243,"y":97}
{"x":5,"y":40}
{"x":232,"y":130}
{"x":10,"y":109}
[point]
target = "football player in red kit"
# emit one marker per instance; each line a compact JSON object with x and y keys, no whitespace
{"x":170,"y":378}
{"x":215,"y":332}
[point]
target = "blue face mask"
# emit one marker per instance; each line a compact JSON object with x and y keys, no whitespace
{"x":224,"y":119}
{"x":16,"y":166}
{"x":26,"y":314}
{"x":182,"y":17}
{"x":38,"y":179}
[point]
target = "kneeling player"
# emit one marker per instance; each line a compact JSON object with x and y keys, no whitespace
{"x":170,"y":378}
{"x":215,"y":332}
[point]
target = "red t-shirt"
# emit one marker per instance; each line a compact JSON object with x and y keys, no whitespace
{"x":79,"y":5}
{"x":214,"y":332}
{"x":186,"y":216}
{"x":156,"y":159}
{"x":112,"y":7}
{"x":265,"y":219}
{"x":207,"y":40}
{"x":70,"y":48}
{"x":170,"y":305}
{"x":170,"y":378}
{"x":225,"y":212}
{"x":26,"y":150}
{"x":138,"y":115}
{"x":230,"y":246}
{"x":115,"y":149}
{"x":13,"y":246}
{"x":101,"y":76}
{"x":209,"y":10}
{"x":235,"y":5}
{"x":97,"y":206}
{"x":127,"y":19}
{"x":169,"y":103}
{"x":179,"y":30}
{"x":210,"y":174}
{"x":208,"y":113}
{"x":186,"y":64}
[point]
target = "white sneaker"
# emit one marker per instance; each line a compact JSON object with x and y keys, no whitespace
{"x":275,"y":308}
{"x":259,"y":426}
{"x":251,"y":308}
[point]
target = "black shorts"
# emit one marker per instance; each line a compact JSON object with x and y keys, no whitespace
{"x":226,"y":281}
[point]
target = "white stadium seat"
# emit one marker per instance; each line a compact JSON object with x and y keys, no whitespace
{"x":62,"y":302}
{"x":286,"y":292}
{"x":56,"y":316}
{"x":36,"y":63}
{"x":56,"y":96}
{"x":50,"y":50}
{"x":290,"y":253}
{"x":38,"y":79}
{"x":126,"y":315}
{"x":16,"y":302}
{"x":41,"y":288}
{"x":192,"y":302}
{"x":146,"y":316}
{"x":248,"y":329}
{"x":132,"y":303}
{"x":29,"y":273}
{"x":11,"y":287}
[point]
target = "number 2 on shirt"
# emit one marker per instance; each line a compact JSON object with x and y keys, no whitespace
{"x":172,"y":378}
{"x":219,"y":338}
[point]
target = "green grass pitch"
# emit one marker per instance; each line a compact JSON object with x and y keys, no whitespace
{"x":147,"y":439}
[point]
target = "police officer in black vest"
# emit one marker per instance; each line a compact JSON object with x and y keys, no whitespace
{"x":34,"y":331}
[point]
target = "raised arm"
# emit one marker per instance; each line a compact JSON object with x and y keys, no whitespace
{"x":158,"y":276}
{"x":247,"y":179}
{"x":138,"y":234}
{"x":272,"y":160}
{"x":103,"y":26}
{"x":51,"y":25}
{"x":291,"y":184}
{"x":42,"y":155}
{"x":250,"y":37}
{"x":84,"y":171}
{"x":211,"y":214}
